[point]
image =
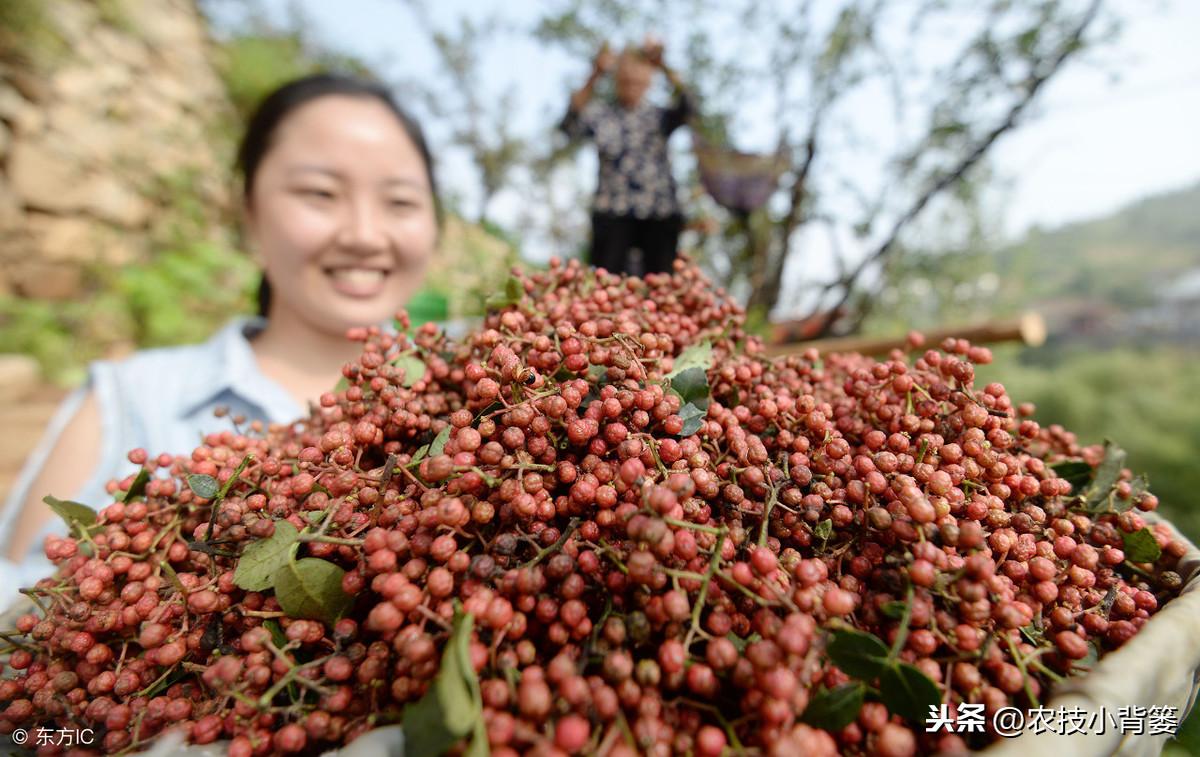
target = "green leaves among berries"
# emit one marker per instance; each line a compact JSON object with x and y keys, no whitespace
{"x":513,"y":291}
{"x":834,"y":709}
{"x":903,"y":687}
{"x":689,"y":381}
{"x":311,"y":588}
{"x":693,"y":419}
{"x":1075,"y":472}
{"x":696,"y":356}
{"x":452,"y":708}
{"x":1097,"y":497}
{"x":138,"y":487}
{"x":78,"y":517}
{"x":858,"y":654}
{"x":412,"y":366}
{"x":260,"y":562}
{"x":1141,"y":546}
{"x":438,"y":445}
{"x":908,"y":692}
{"x":203,"y":485}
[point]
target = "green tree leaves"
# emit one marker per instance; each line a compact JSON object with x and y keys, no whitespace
{"x":307,"y":588}
{"x":903,"y":688}
{"x":261,"y":560}
{"x":452,"y":708}
{"x":79,"y":517}
{"x":689,"y":380}
{"x":311,"y":588}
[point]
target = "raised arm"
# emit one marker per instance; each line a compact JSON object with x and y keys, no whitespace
{"x":683,"y":107}
{"x":601,"y":64}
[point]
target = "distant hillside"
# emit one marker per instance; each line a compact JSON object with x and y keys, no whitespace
{"x":1122,"y":259}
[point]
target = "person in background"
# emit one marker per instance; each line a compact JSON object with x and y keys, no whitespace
{"x":635,"y":204}
{"x":340,"y":209}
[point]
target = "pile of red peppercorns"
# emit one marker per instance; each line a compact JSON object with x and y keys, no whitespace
{"x":666,"y":544}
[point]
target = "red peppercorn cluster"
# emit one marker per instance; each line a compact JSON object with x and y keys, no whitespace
{"x":634,"y":588}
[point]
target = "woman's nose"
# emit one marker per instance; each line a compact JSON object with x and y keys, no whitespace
{"x":363,"y":227}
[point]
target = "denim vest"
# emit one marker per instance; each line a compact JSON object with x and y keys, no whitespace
{"x":161,"y":400}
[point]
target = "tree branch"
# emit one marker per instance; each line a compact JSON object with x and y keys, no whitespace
{"x":968,"y":161}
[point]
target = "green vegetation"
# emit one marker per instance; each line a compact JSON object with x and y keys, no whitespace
{"x":1121,"y":259}
{"x":28,"y":34}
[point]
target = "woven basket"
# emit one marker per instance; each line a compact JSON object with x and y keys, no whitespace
{"x":1160,"y":667}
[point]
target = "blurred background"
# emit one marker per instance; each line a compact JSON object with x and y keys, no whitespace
{"x":859,"y":167}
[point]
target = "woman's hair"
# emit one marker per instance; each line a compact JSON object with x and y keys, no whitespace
{"x":274,"y":110}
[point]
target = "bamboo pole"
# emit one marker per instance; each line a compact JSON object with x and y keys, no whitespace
{"x":1028,"y":328}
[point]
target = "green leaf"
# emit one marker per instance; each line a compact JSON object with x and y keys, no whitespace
{"x":1106,"y":475}
{"x":1089,"y":661}
{"x":439,"y":442}
{"x":696,"y":356}
{"x":741,"y":643}
{"x":203,"y":485}
{"x":479,"y":746}
{"x":278,"y":637}
{"x":77,"y":516}
{"x":859,"y":655}
{"x":692,"y":387}
{"x":1076,"y":472}
{"x":138,"y":487}
{"x":314,"y":516}
{"x":908,"y":692}
{"x":1034,"y":635}
{"x":342,"y":385}
{"x":413,"y":367}
{"x":420,"y":454}
{"x":173,"y":577}
{"x":514,"y":290}
{"x":261,"y":561}
{"x":824,"y":530}
{"x":893,"y":609}
{"x":834,"y":709}
{"x":311,"y":588}
{"x":452,"y":707}
{"x":693,"y":419}
{"x":1141,"y":546}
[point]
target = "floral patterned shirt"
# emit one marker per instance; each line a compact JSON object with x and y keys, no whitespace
{"x":635,"y":168}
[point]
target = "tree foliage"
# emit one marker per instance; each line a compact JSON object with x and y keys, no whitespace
{"x":955,"y":78}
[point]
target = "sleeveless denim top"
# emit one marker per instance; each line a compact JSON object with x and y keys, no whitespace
{"x":161,"y":400}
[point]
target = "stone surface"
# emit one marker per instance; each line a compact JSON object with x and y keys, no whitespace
{"x":88,"y":139}
{"x":48,"y":281}
{"x":41,"y":178}
{"x":62,"y":240}
{"x":11,"y":102}
{"x":10,"y":206}
{"x":111,"y":200}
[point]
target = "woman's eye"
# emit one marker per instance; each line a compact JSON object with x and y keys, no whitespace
{"x":319,"y":194}
{"x":401,"y":203}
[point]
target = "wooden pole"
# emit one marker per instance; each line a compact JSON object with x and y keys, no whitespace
{"x":1029,"y":329}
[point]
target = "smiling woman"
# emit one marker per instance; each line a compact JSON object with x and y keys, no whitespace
{"x":340,"y":209}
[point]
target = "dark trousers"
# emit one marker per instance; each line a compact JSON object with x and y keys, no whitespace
{"x":613,"y":237}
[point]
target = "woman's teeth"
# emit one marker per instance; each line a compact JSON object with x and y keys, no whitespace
{"x":357,"y":276}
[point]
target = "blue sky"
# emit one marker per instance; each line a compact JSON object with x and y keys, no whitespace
{"x":1112,"y":129}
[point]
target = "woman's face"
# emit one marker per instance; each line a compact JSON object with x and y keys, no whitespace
{"x":633,"y":79}
{"x":341,"y":215}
